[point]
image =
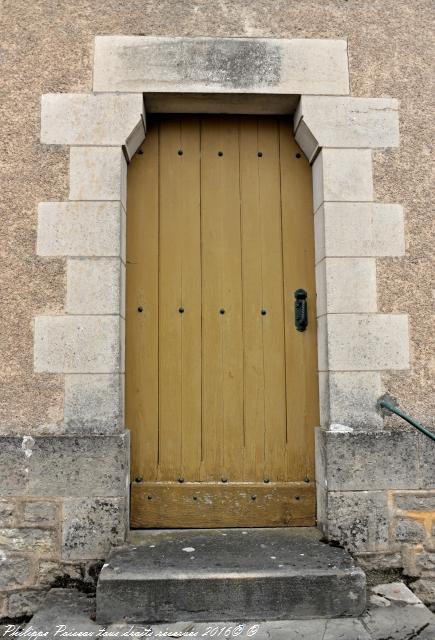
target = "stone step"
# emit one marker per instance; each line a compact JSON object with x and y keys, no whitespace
{"x":228,"y":574}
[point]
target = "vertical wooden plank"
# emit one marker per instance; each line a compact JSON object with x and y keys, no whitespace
{"x":179,"y":332}
{"x":141,"y":384}
{"x":254,"y":401}
{"x":301,"y":356}
{"x":222,"y":332}
{"x":190,"y":211}
{"x":272,"y":293}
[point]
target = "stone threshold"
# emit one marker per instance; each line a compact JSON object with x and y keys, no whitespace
{"x":394,"y":612}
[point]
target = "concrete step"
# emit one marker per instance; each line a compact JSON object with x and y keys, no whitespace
{"x":228,"y":574}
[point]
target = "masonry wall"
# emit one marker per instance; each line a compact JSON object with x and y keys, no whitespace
{"x":48,"y":513}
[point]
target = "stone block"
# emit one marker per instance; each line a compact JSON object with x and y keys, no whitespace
{"x":324,"y":404}
{"x":91,"y":526}
{"x":342,"y":175}
{"x":395,"y":613}
{"x":381,"y":560}
{"x":349,"y":398}
{"x":416,"y":560}
{"x":90,"y":229}
{"x":50,"y":572}
{"x":409,"y":530}
{"x":77,"y":344}
{"x":228,"y":65}
{"x":410,"y":501}
{"x":346,"y":122}
{"x":73,"y":610}
{"x":65,"y":466}
{"x":7,"y":513}
{"x":369,"y":461}
{"x":231,"y":577}
{"x":94,"y":403}
{"x":427,"y":462}
{"x":44,"y":542}
{"x":40,"y":512}
{"x":425,"y":590}
{"x":322,"y":343}
{"x":15,"y":570}
{"x":25,"y":603}
{"x":367,"y":342}
{"x":359,"y":520}
{"x":95,"y":286}
{"x":86,"y":119}
{"x":346,"y":285}
{"x":98,"y":173}
{"x":359,"y":229}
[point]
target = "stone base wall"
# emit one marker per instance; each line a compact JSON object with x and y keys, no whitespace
{"x":64,"y":503}
{"x":376,"y":497}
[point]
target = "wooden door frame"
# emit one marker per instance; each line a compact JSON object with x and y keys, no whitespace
{"x":308,"y":80}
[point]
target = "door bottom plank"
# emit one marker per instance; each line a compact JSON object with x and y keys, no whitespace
{"x":212,"y":505}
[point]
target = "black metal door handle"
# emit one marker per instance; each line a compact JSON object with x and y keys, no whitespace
{"x":301,"y":310}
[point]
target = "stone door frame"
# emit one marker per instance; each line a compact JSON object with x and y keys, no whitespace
{"x":337,"y":133}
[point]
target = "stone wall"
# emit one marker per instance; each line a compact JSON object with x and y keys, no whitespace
{"x":376,"y":497}
{"x":59,"y":494}
{"x":63,"y":505}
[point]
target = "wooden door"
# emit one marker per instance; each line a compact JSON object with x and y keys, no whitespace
{"x":221,"y":389}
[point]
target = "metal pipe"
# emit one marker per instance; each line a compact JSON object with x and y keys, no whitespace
{"x":389,"y":406}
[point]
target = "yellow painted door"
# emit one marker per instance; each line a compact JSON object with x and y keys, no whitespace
{"x":221,"y":388}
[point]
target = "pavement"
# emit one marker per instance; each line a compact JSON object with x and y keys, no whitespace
{"x":393,"y":613}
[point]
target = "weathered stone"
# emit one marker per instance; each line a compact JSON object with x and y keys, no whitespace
{"x":98,"y":173}
{"x":342,"y":175}
{"x":409,"y":530}
{"x":41,"y":541}
{"x":65,"y":466}
{"x":427,"y":462}
{"x":347,"y":122}
{"x":89,"y":229}
{"x":397,"y":592}
{"x":415,"y":501}
{"x":201,"y":65}
{"x":416,"y":560}
{"x":349,"y":398}
{"x":94,"y":403}
{"x":15,"y":571}
{"x":78,"y":344}
{"x":424,"y":588}
{"x":74,"y":610}
{"x":50,"y":572}
{"x":3,"y":606}
{"x":94,"y":286}
{"x":359,"y":229}
{"x":370,"y":460}
{"x":40,"y":512}
{"x":366,"y":342}
{"x":346,"y":285}
{"x":380,"y":560}
{"x":82,"y":119}
{"x":406,"y":617}
{"x":66,"y":607}
{"x":359,"y":520}
{"x":269,"y":574}
{"x":7,"y":513}
{"x":24,"y":603}
{"x":91,"y":526}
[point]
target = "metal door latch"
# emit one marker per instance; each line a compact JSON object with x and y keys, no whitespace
{"x":301,"y":310}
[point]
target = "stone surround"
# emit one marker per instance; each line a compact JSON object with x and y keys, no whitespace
{"x":362,"y":488}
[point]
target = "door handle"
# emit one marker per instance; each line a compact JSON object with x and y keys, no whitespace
{"x":301,"y":310}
